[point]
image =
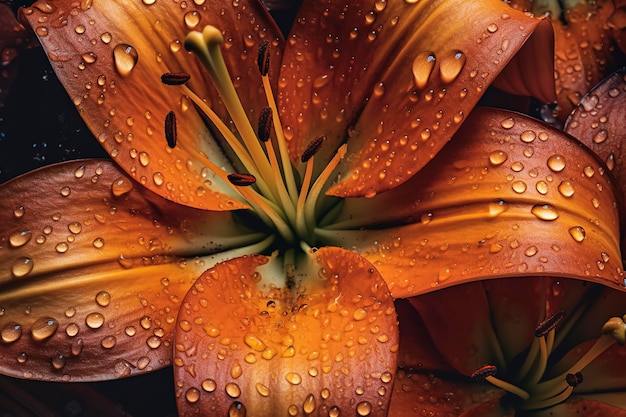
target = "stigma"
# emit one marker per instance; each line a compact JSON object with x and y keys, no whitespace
{"x":534,"y":383}
{"x":287,"y":199}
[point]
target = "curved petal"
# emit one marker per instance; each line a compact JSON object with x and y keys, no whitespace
{"x":584,"y":52}
{"x":110,"y":55}
{"x":248,"y":342}
{"x":397,"y":79}
{"x":588,"y":408}
{"x":92,"y":274}
{"x":598,"y":123}
{"x":509,"y":196}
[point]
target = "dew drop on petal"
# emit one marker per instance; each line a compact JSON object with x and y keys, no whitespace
{"x":577,"y":233}
{"x":19,"y":239}
{"x":125,"y":58}
{"x":10,"y":332}
{"x":22,"y":267}
{"x":451,"y":65}
{"x":556,"y":163}
{"x":544,"y":212}
{"x":423,"y":65}
{"x":192,"y":395}
{"x":43,"y":328}
{"x":94,"y":320}
{"x":364,"y":408}
{"x":103,"y":298}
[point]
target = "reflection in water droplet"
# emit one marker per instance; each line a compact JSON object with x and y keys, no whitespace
{"x":192,"y":395}
{"x":423,"y":65}
{"x":308,"y":406}
{"x":125,"y":58}
{"x":262,"y":390}
{"x":232,"y":390}
{"x":209,"y":385}
{"x":58,"y":362}
{"x":237,"y":409}
{"x":556,"y":163}
{"x":566,"y":188}
{"x":18,"y":239}
{"x":103,"y":298}
{"x":364,"y":408}
{"x":121,"y":186}
{"x":498,"y":158}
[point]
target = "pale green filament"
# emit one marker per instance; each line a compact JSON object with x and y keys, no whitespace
{"x":281,"y":202}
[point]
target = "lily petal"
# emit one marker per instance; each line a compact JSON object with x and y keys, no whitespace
{"x":110,"y":55}
{"x":247,"y":343}
{"x":391,"y":76}
{"x":598,"y":121}
{"x":92,"y":272}
{"x":588,"y":408}
{"x":516,"y":198}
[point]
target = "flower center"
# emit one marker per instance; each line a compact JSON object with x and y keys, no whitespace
{"x":542,"y":380}
{"x":287,"y":203}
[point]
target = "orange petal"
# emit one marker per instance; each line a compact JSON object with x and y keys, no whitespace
{"x":509,"y":196}
{"x":581,"y":407}
{"x":247,"y":342}
{"x":598,"y":122}
{"x":584,"y":52}
{"x":92,"y":274}
{"x":110,"y":57}
{"x":395,"y":80}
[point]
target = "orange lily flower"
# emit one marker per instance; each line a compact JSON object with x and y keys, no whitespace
{"x":265,"y":271}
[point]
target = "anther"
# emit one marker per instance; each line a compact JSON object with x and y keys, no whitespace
{"x":483,"y":372}
{"x":616,"y":327}
{"x":573,"y":380}
{"x":549,"y":324}
{"x":175,"y":78}
{"x":265,"y":124}
{"x":241,"y":180}
{"x":313,"y":148}
{"x":263,"y":59}
{"x":170,"y":129}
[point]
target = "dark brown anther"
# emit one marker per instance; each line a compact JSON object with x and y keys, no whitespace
{"x":313,"y":148}
{"x":549,"y":323}
{"x":483,"y":372}
{"x":265,"y":124}
{"x":573,"y":380}
{"x":170,"y":129}
{"x":263,"y":59}
{"x":241,"y":180}
{"x":175,"y":78}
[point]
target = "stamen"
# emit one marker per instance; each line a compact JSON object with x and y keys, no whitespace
{"x":313,"y":148}
{"x":263,"y":59}
{"x":265,"y":124}
{"x":488,"y":372}
{"x":170,"y":129}
{"x":573,"y":380}
{"x":241,"y":180}
{"x":175,"y":78}
{"x":549,"y":323}
{"x":616,"y":327}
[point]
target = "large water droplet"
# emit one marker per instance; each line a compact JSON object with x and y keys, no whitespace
{"x":22,"y":267}
{"x":94,"y":320}
{"x":18,"y":239}
{"x":232,"y":390}
{"x":451,"y":65}
{"x":577,"y":233}
{"x":103,"y":298}
{"x":544,"y":212}
{"x":237,"y":409}
{"x":364,"y":408}
{"x":43,"y":328}
{"x":308,"y":406}
{"x":125,"y":58}
{"x":423,"y":65}
{"x":192,"y":395}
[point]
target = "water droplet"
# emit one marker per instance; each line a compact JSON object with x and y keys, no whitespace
{"x":364,"y":408}
{"x":98,"y":243}
{"x":497,"y":207}
{"x":293,"y":378}
{"x":106,"y":37}
{"x":58,"y":362}
{"x":578,"y":233}
{"x":22,"y":358}
{"x":11,"y":332}
{"x":498,"y":158}
{"x":236,"y":370}
{"x":153,"y":342}
{"x":359,"y":314}
{"x":121,"y":186}
{"x":192,"y":395}
{"x":556,"y":163}
{"x":601,"y":136}
{"x":507,"y":123}
{"x":103,"y":298}
{"x":43,"y":328}
{"x":62,"y":247}
{"x":192,"y":19}
{"x":527,"y":136}
{"x":254,"y":343}
{"x":18,"y":213}
{"x":94,"y":320}
{"x":72,"y":329}
{"x":209,"y":385}
{"x":492,"y":28}
{"x":544,"y":212}
{"x":22,"y":267}
{"x":451,"y":65}
{"x":77,"y":347}
{"x":18,"y":239}
{"x":75,"y":227}
{"x":423,"y":65}
{"x":232,"y":390}
{"x":108,"y":342}
{"x":237,"y":409}
{"x":308,"y":406}
{"x":566,"y":188}
{"x":125,"y":58}
{"x":386,"y":377}
{"x":262,"y":390}
{"x":519,"y":186}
